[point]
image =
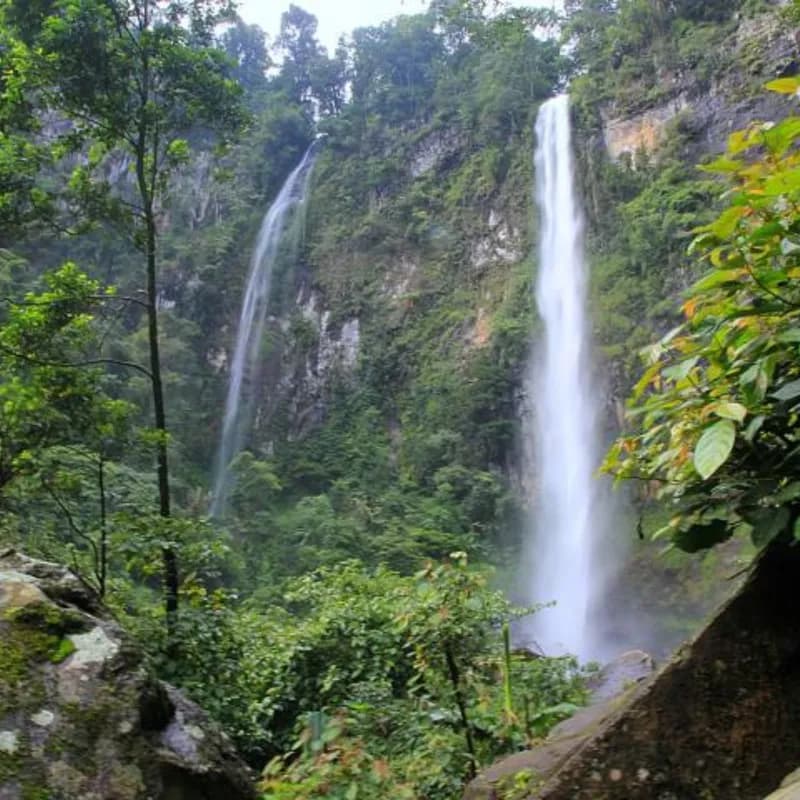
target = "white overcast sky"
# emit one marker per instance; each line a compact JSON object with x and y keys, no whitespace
{"x":335,"y":16}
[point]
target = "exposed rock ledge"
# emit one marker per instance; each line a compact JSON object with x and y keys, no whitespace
{"x":720,"y":721}
{"x":81,"y":717}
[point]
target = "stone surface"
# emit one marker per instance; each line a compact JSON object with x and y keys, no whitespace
{"x":609,"y":688}
{"x":721,"y":720}
{"x":643,"y":132}
{"x":765,"y":47}
{"x":81,"y":717}
{"x":789,"y":788}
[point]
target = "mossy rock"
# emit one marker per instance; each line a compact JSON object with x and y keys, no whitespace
{"x":81,"y":715}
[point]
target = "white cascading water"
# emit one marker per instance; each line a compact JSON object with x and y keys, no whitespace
{"x":564,"y":403}
{"x":251,"y":323}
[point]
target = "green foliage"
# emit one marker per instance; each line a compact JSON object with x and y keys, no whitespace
{"x":387,"y":677}
{"x":51,"y":392}
{"x":368,"y":649}
{"x":626,"y":50}
{"x":715,"y":408}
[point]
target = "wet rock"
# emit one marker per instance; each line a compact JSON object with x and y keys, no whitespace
{"x":82,"y":717}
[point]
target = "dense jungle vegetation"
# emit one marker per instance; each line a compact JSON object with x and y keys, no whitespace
{"x":341,"y":619}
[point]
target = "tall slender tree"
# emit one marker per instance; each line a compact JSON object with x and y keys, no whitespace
{"x":137,"y":79}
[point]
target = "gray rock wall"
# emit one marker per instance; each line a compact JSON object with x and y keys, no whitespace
{"x":81,"y":716}
{"x":721,"y":721}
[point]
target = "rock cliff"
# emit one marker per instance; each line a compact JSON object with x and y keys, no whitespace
{"x":721,"y":720}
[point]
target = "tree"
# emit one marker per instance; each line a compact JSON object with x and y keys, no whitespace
{"x":716,"y":411}
{"x":21,"y":157}
{"x":246,"y":46}
{"x":308,"y":76}
{"x":56,"y":412}
{"x":134,"y":77}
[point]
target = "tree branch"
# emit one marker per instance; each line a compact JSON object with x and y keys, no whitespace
{"x":75,"y":364}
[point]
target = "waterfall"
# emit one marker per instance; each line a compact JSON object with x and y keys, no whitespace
{"x":251,"y":323}
{"x":564,"y":400}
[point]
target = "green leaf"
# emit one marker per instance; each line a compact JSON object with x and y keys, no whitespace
{"x":716,"y":278}
{"x":788,"y":493}
{"x":754,"y":427}
{"x":780,"y":137}
{"x":789,"y":337}
{"x":678,"y":372}
{"x":723,"y":164}
{"x":784,"y":85}
{"x":714,"y":448}
{"x":756,"y":379}
{"x":767,"y":524}
{"x":734,"y":411}
{"x":797,"y":529}
{"x":739,"y":141}
{"x":782,"y":183}
{"x":726,"y":222}
{"x":788,"y":391}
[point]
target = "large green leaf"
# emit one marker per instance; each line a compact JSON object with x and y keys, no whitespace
{"x":767,"y":524}
{"x":788,"y":391}
{"x":714,"y":447}
{"x":717,"y":278}
{"x":734,"y":411}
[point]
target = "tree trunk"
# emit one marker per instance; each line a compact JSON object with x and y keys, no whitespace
{"x":146,"y":192}
{"x":455,"y":679}
{"x":159,"y":414}
{"x":103,"y":565}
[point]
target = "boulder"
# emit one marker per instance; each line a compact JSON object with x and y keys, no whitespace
{"x":610,"y":688}
{"x":720,"y":720}
{"x":81,"y":715}
{"x":789,"y":789}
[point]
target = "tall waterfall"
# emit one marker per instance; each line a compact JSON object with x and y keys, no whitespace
{"x":564,"y":403}
{"x":251,"y":323}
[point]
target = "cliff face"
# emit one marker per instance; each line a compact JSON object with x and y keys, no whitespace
{"x":760,"y":48}
{"x":398,"y":339}
{"x":430,"y":235}
{"x":393,"y":357}
{"x":384,"y":274}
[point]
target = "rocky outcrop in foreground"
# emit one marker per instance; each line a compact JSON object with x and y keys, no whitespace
{"x":721,"y":720}
{"x":81,"y":717}
{"x":789,"y":789}
{"x":610,"y":689}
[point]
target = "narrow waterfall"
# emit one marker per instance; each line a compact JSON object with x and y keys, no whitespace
{"x":252,"y":317}
{"x":564,"y":403}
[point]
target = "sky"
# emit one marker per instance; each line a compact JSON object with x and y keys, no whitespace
{"x":335,"y":16}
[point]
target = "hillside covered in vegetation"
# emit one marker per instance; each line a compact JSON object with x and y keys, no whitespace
{"x":343,"y":618}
